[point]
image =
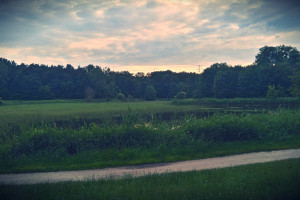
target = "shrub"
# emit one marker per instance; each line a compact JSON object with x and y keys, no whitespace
{"x":181,"y":95}
{"x":197,"y":94}
{"x":272,"y":93}
{"x":134,"y":132}
{"x":150,"y":93}
{"x":130,"y":97}
{"x":121,"y":97}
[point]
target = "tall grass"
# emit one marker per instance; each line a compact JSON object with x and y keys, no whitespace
{"x":258,"y":103}
{"x":133,"y":132}
{"x":18,"y":114}
{"x":130,"y":133}
{"x":25,"y":113}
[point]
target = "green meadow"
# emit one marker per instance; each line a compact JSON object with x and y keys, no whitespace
{"x":55,"y":135}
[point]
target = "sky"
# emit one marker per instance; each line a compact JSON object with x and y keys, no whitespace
{"x":145,"y":35}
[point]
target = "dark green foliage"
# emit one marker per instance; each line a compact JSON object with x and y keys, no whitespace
{"x":274,"y":55}
{"x":121,"y":97}
{"x":136,"y":133}
{"x":164,"y":83}
{"x":181,"y":95}
{"x":150,"y":93}
{"x":130,"y":97}
{"x":197,"y":94}
{"x":273,"y":66}
{"x":91,"y":82}
{"x":296,"y":80}
{"x":225,"y":82}
{"x":89,"y":94}
{"x":208,"y":78}
{"x":272,"y":93}
{"x":45,"y":92}
{"x":248,"y":83}
{"x":1,"y":101}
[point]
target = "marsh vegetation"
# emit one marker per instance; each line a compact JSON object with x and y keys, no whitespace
{"x":73,"y":134}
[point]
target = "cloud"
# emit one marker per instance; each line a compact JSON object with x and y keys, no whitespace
{"x":144,"y":33}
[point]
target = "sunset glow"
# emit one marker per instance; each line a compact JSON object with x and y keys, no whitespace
{"x":145,"y":35}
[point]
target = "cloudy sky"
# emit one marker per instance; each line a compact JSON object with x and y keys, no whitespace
{"x":144,"y":35}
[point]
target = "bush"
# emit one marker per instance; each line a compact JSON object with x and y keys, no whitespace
{"x":130,"y":97}
{"x":89,"y":94}
{"x":134,"y":131}
{"x":150,"y":93}
{"x":181,"y":95}
{"x":272,"y":93}
{"x":1,"y":102}
{"x":121,"y":97}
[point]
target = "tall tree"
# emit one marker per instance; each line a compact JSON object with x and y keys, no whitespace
{"x":225,"y":82}
{"x":3,"y":78}
{"x":274,"y":55}
{"x":295,"y":89}
{"x":248,"y":84}
{"x":150,"y":93}
{"x":208,"y":79}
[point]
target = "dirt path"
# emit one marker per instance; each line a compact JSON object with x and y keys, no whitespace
{"x":140,"y":170}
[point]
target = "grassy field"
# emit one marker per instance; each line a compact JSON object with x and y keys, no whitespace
{"x":274,"y":180}
{"x":74,"y":134}
{"x":24,"y":113}
{"x":34,"y":112}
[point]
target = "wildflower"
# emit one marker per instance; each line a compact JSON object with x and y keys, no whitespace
{"x":148,"y":125}
{"x":176,"y":127}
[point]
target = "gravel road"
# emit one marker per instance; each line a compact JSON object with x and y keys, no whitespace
{"x":140,"y":170}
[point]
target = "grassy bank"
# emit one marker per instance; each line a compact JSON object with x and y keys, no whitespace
{"x":275,"y":180}
{"x":134,"y":156}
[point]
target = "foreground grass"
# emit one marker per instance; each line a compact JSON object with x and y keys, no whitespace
{"x":135,"y":156}
{"x":274,"y":180}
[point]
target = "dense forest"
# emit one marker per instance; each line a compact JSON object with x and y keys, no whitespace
{"x":275,"y":68}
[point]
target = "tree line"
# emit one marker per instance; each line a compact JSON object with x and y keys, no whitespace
{"x":277,"y":68}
